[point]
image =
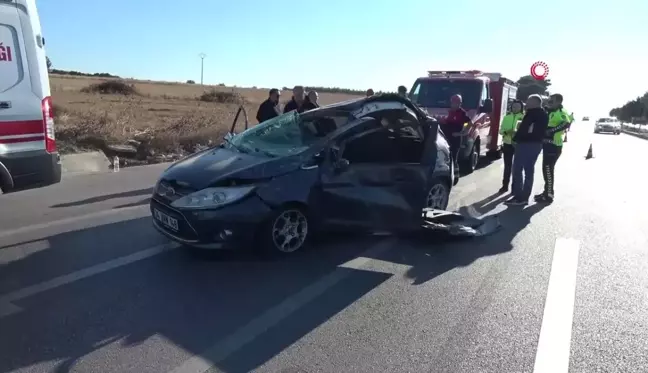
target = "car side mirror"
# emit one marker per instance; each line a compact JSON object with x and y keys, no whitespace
{"x":341,"y":165}
{"x":487,"y":107}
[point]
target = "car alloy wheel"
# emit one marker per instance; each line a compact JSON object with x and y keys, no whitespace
{"x":437,"y":197}
{"x":289,"y":230}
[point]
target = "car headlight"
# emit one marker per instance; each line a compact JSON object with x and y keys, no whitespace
{"x":212,"y":197}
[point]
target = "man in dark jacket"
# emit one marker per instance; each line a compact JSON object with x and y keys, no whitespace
{"x":528,"y":139}
{"x":270,"y":107}
{"x":296,"y":101}
{"x":310,"y":102}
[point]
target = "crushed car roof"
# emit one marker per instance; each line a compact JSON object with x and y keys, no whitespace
{"x":359,"y":106}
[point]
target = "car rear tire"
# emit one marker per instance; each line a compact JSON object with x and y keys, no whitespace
{"x":438,"y":195}
{"x":285,"y":232}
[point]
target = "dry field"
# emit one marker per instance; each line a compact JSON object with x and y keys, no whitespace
{"x":172,"y":113}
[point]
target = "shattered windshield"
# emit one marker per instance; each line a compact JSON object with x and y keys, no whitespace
{"x":280,"y":136}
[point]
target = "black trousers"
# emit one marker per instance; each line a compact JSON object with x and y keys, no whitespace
{"x":455,"y":146}
{"x":507,"y":151}
{"x":550,"y":155}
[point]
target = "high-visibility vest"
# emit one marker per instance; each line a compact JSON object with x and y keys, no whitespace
{"x":556,"y":118}
{"x":509,"y":126}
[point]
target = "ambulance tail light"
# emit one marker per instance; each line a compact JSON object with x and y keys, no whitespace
{"x":48,"y":124}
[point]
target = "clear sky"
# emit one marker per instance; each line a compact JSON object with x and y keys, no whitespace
{"x":596,"y":51}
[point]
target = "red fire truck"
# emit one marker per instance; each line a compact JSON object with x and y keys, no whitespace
{"x":486,"y":97}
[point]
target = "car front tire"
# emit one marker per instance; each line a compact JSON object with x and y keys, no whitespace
{"x":438,"y":195}
{"x":285,"y":232}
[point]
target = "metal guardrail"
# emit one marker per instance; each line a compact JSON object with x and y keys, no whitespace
{"x":637,"y":130}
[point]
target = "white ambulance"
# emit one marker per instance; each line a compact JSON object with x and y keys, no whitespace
{"x":28,"y":155}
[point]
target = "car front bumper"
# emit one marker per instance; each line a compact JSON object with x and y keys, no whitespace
{"x":229,"y":227}
{"x":607,"y":129}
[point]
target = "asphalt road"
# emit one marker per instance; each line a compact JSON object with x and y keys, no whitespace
{"x":86,"y":285}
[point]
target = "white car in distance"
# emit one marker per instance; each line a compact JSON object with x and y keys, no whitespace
{"x":611,"y":125}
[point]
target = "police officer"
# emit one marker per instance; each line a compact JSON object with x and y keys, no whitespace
{"x":559,"y":122}
{"x":507,"y":130}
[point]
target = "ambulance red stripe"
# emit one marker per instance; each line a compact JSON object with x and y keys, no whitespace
{"x":22,"y":139}
{"x":21,"y":127}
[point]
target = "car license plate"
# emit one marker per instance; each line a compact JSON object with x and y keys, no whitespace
{"x":165,"y":219}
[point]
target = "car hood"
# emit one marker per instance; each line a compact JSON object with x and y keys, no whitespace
{"x":440,"y":114}
{"x":210,"y":167}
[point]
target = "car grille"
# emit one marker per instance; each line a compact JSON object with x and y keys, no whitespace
{"x":169,"y":191}
{"x":185,"y":230}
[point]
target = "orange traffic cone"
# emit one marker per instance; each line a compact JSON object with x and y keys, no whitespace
{"x":590,"y":153}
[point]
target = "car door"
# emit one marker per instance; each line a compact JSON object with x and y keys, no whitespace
{"x":369,"y":185}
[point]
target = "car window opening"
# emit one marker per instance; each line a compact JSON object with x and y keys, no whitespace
{"x":393,"y":140}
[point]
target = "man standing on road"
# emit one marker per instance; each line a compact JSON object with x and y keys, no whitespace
{"x":559,"y":122}
{"x":507,"y":130}
{"x":453,"y":127}
{"x":402,"y":91}
{"x":370,"y":92}
{"x":270,"y":107}
{"x":528,"y":144}
{"x":296,"y":101}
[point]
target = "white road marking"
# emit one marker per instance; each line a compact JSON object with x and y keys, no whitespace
{"x":6,"y":301}
{"x":74,"y":219}
{"x":554,"y":344}
{"x":229,"y":345}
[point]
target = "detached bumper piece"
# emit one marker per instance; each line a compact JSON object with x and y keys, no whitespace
{"x":457,"y":225}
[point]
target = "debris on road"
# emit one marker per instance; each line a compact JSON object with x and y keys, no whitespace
{"x":455,"y":224}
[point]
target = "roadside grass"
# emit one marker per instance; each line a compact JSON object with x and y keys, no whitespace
{"x":168,"y":117}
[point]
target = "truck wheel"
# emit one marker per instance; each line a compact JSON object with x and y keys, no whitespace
{"x":470,"y":163}
{"x":495,"y":154}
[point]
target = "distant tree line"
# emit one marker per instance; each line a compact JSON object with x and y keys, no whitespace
{"x":634,"y":111}
{"x":78,"y":73}
{"x":75,"y":73}
{"x":528,"y":85}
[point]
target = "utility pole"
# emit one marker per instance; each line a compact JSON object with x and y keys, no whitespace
{"x":202,"y":66}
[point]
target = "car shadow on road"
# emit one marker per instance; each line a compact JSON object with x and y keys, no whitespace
{"x":87,"y":201}
{"x":434,"y":254}
{"x":129,"y":310}
{"x":142,"y":202}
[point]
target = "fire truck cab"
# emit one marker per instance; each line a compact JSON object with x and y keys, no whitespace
{"x":486,"y":98}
